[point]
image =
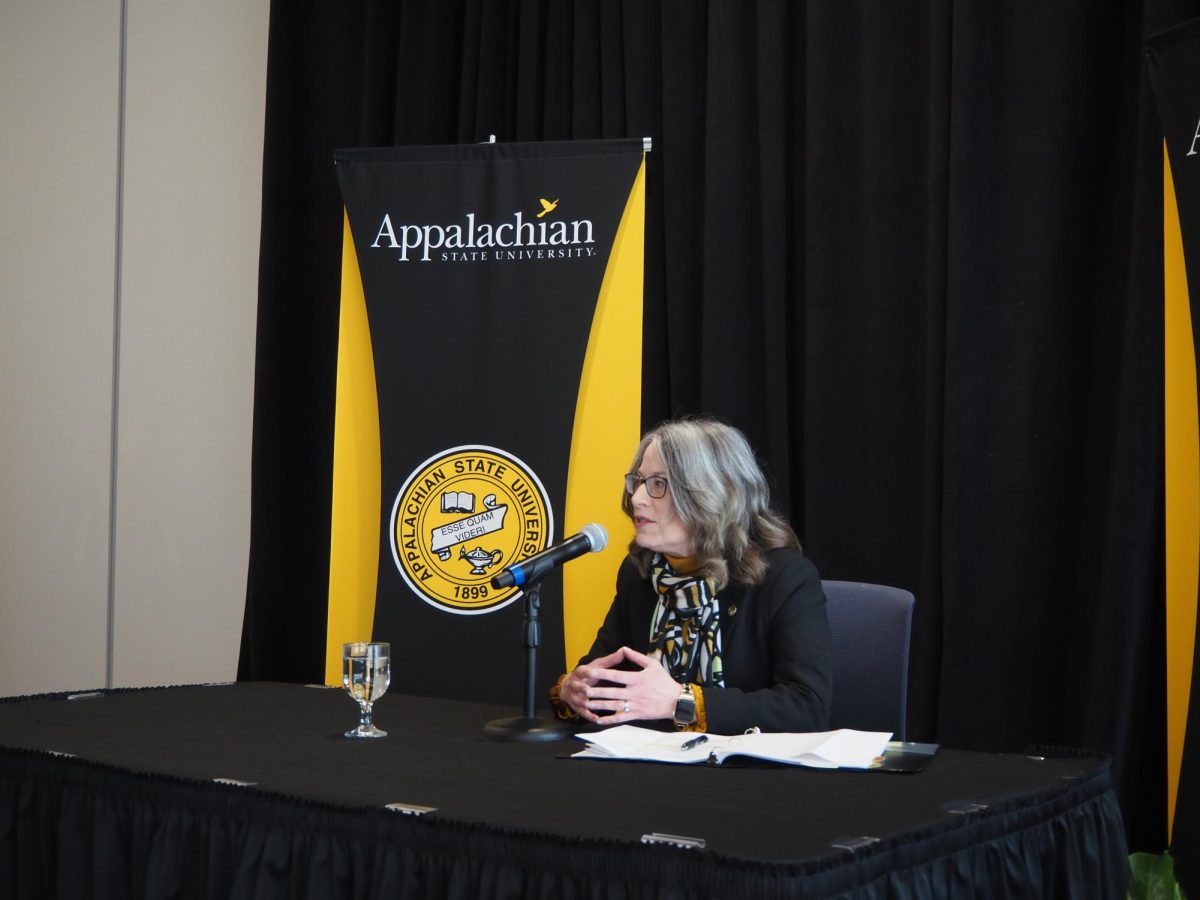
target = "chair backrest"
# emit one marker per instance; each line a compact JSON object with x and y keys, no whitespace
{"x":871,"y":626}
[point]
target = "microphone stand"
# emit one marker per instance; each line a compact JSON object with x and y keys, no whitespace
{"x":529,"y":727}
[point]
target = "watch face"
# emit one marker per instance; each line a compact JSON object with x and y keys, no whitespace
{"x":685,"y":710}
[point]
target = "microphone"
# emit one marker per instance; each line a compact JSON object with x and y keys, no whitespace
{"x":591,"y":539}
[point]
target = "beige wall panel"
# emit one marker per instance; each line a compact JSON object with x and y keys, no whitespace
{"x":196,"y":75}
{"x":59,"y":79}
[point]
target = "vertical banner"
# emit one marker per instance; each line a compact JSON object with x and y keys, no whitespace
{"x":1174,"y":60}
{"x":488,"y":401}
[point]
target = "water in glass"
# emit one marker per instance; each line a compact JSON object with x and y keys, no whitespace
{"x":366,"y":675}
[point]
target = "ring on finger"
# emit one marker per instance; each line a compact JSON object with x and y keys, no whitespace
{"x":626,"y":706}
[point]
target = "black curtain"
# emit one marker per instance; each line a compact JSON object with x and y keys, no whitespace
{"x":912,"y":250}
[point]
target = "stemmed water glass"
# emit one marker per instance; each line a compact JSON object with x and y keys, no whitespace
{"x":366,"y":674}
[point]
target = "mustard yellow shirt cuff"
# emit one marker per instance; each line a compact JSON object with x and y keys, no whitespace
{"x":561,"y":710}
{"x":701,"y":723}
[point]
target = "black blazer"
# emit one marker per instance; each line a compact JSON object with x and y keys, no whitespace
{"x":775,"y":645}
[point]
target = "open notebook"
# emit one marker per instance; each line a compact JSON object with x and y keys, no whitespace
{"x":841,"y":749}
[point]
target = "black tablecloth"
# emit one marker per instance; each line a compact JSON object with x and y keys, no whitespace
{"x":114,"y":796}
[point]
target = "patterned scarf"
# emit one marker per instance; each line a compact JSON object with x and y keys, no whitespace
{"x":685,"y":632}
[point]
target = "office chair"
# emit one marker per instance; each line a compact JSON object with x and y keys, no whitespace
{"x":871,"y":624}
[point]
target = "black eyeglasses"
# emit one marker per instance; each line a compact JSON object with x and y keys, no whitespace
{"x":656,"y":485}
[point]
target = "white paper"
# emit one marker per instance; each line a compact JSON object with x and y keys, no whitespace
{"x":843,"y":748}
{"x":632,"y":742}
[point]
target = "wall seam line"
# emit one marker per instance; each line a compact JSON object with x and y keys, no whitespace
{"x":119,"y":252}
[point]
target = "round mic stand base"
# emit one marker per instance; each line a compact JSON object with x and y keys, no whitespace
{"x":520,"y":728}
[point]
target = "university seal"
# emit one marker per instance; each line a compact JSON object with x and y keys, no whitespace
{"x":462,"y":516}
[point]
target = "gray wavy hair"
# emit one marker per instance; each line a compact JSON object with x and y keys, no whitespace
{"x":720,"y":495}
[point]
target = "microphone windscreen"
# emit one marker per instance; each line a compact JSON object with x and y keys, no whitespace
{"x":596,"y":535}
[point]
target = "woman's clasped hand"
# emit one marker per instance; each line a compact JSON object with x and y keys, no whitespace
{"x":599,"y":691}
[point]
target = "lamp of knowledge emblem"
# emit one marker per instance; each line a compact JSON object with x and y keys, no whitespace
{"x":463,"y":515}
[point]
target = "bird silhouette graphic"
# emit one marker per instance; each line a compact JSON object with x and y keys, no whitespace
{"x":547,"y":206}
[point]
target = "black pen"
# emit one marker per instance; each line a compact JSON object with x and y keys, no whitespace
{"x":693,"y":742}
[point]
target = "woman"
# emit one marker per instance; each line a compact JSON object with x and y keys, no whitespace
{"x":719,"y":620}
